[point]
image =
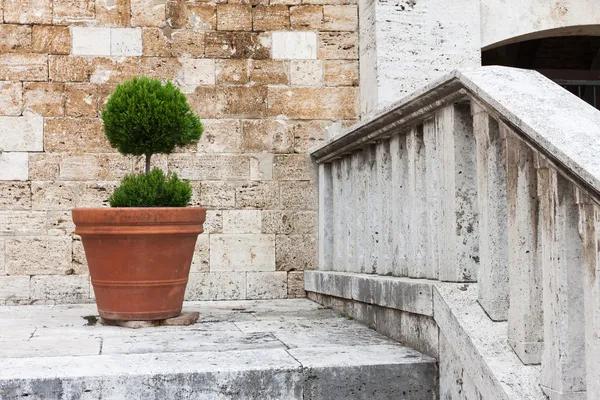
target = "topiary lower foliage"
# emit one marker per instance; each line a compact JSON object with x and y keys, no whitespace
{"x":154,"y":189}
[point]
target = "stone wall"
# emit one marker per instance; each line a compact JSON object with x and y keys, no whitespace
{"x":268,"y":79}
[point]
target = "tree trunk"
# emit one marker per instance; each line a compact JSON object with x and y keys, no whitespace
{"x":148,"y":163}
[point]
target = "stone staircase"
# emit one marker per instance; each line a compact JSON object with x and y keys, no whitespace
{"x":280,"y":349}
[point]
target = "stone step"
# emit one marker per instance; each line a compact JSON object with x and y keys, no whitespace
{"x":286,"y":349}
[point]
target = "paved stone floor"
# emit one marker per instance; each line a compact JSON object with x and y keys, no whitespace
{"x":47,"y":351}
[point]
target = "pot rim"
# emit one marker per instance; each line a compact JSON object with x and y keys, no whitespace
{"x":138,"y":216}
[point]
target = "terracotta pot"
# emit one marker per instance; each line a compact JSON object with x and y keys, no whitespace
{"x":139,"y":258}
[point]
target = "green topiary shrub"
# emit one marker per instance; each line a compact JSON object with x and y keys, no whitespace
{"x":154,"y":189}
{"x":143,"y":117}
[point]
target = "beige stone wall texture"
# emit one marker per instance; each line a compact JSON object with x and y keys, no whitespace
{"x":268,"y":77}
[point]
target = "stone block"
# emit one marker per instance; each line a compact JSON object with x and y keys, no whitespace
{"x":419,"y":332}
{"x":293,"y":167}
{"x":28,"y":12}
{"x":232,"y":71}
{"x":78,"y":262}
{"x":69,"y":68}
{"x":338,"y":46}
{"x":43,"y":166}
{"x":11,"y":98}
{"x":242,"y":221}
{"x":69,"y":12}
{"x":15,"y":195}
{"x":81,"y":100}
{"x":155,"y":43}
{"x":89,"y":41}
{"x":195,"y":72}
{"x":270,"y":18}
{"x":261,"y":166}
{"x":216,"y":286}
{"x":51,"y":39}
{"x":289,"y":222}
{"x":206,"y":102}
{"x":14,"y":167}
{"x":59,"y":223}
{"x":234,"y":17}
{"x":76,"y":135}
{"x":244,"y":101}
{"x":23,"y":67}
{"x":102,"y":167}
{"x":340,"y":18}
{"x":308,"y":134}
{"x":63,"y":289}
{"x":314,"y":103}
{"x":295,"y":252}
{"x":115,"y":70}
{"x":113,"y":12}
{"x":221,"y":136}
{"x":262,"y":194}
{"x":214,"y":221}
{"x":217,"y":194}
{"x":38,"y":255}
{"x":175,"y":13}
{"x":210,"y":166}
{"x":238,"y":45}
{"x":15,"y":38}
{"x":22,"y":133}
{"x":269,"y":72}
{"x":306,"y":72}
{"x":238,"y":252}
{"x":148,"y":13}
{"x":201,"y":259}
{"x":14,"y":287}
{"x":272,"y":136}
{"x":46,"y":99}
{"x":188,"y":43}
{"x":53,"y":195}
{"x":266,"y":285}
{"x":285,"y":2}
{"x":27,"y":223}
{"x":306,"y":17}
{"x":341,"y":73}
{"x":126,"y":42}
{"x":295,"y":284}
{"x":202,"y":17}
{"x":298,"y":195}
{"x":294,"y":45}
{"x":95,"y":194}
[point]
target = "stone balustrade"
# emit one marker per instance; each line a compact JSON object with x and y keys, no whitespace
{"x":489,"y":176}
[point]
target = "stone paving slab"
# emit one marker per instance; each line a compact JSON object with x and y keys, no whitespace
{"x":279,"y":349}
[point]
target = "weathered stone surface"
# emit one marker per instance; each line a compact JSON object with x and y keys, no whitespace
{"x":306,"y":17}
{"x":22,"y":133}
{"x":44,"y":98}
{"x":261,"y":167}
{"x":14,"y":287}
{"x":53,"y":195}
{"x":295,"y":252}
{"x":40,"y":255}
{"x":307,"y":134}
{"x":188,"y":43}
{"x":232,"y":71}
{"x":242,"y":221}
{"x":130,"y":324}
{"x":217,"y":194}
{"x":210,"y":166}
{"x":91,"y":41}
{"x":201,"y":260}
{"x":95,"y":194}
{"x":176,"y":13}
{"x":221,"y":136}
{"x":239,"y":45}
{"x":340,"y":18}
{"x":148,"y":13}
{"x":266,"y":285}
{"x":245,"y":102}
{"x":59,"y":223}
{"x":28,"y":11}
{"x":126,"y":42}
{"x":294,"y":45}
{"x":269,"y":72}
{"x":289,"y":222}
{"x":184,"y":319}
{"x":341,"y":73}
{"x":79,"y":262}
{"x":295,"y":284}
{"x":81,"y":100}
{"x":338,"y":45}
{"x":63,"y":289}
{"x":115,"y":70}
{"x":14,"y":166}
{"x":15,"y":195}
{"x":270,"y":18}
{"x":69,"y":68}
{"x":27,"y":223}
{"x":273,"y":136}
{"x":51,"y":39}
{"x":214,"y":221}
{"x":216,"y":286}
{"x":69,"y":12}
{"x":102,"y":167}
{"x":293,"y":167}
{"x":202,"y":17}
{"x":43,"y":166}
{"x":313,"y":103}
{"x":11,"y":98}
{"x":23,"y":67}
{"x":15,"y":38}
{"x":306,"y":72}
{"x":234,"y":17}
{"x":298,"y":195}
{"x":155,"y":43}
{"x":76,"y":135}
{"x":195,"y":72}
{"x":113,"y":12}
{"x":263,"y":194}
{"x":238,"y":252}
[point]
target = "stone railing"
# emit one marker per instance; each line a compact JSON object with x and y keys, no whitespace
{"x":489,"y":176}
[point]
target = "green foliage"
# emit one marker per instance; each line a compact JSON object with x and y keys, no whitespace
{"x":154,"y":189}
{"x":145,"y":117}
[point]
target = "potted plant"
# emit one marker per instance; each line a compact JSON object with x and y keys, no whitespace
{"x":139,"y":251}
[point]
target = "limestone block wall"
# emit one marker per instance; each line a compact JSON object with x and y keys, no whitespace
{"x":269,"y":78}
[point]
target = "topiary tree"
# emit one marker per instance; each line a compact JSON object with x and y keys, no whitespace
{"x":143,"y":117}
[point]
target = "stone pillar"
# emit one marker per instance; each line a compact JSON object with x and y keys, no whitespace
{"x":373,"y":211}
{"x":417,"y":224}
{"x":434,"y":200}
{"x":400,"y":197}
{"x":493,"y":218}
{"x":384,"y":189}
{"x":405,"y":44}
{"x":339,"y":216}
{"x":363,"y":176}
{"x":349,"y":213}
{"x":325,"y":217}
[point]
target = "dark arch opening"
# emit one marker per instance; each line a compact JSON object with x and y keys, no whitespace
{"x":571,"y":61}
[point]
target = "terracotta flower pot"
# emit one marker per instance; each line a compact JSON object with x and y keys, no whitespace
{"x":139,"y":258}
